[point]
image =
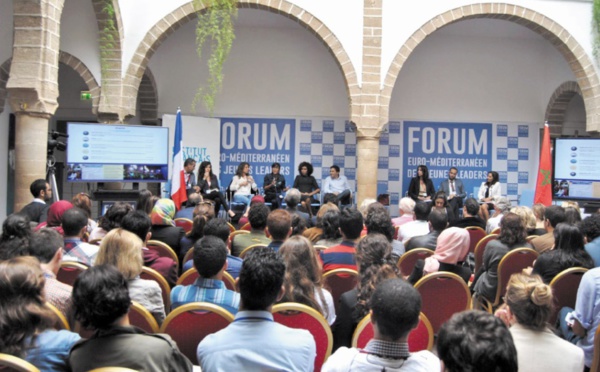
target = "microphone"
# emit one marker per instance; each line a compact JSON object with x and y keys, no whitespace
{"x":55,"y":134}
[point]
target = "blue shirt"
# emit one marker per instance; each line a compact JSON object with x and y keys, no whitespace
{"x":593,"y":248}
{"x":587,"y":311}
{"x":51,"y":350}
{"x":254,"y":342}
{"x":206,"y":290}
{"x":275,"y":245}
{"x":336,"y":185}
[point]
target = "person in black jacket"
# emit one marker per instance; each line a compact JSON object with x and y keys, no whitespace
{"x":209,"y":188}
{"x":421,"y":187}
{"x":274,"y":186}
{"x":37,"y":210}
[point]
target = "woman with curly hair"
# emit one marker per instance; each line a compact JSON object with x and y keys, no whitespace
{"x":111,"y":220}
{"x":375,"y":264}
{"x":16,"y":233}
{"x":303,"y":281}
{"x":512,"y":235}
{"x":26,"y":321}
{"x":378,"y":221}
{"x":314,"y":234}
{"x":307,"y":185}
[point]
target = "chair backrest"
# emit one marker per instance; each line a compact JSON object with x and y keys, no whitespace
{"x":163,"y":250}
{"x":513,"y":262}
{"x":496,"y":231}
{"x":188,"y":278}
{"x":564,"y":289}
{"x":480,"y":250}
{"x":339,"y":281}
{"x":231,"y":227}
{"x":60,"y":318}
{"x":12,"y":363}
{"x":229,"y":281}
{"x":300,"y":316}
{"x":185,"y":223}
{"x":151,"y":274}
{"x":69,"y":271}
{"x":249,"y":248}
{"x":246,"y":227}
{"x":190,"y":323}
{"x":596,"y":358}
{"x":189,"y":255}
{"x":476,"y":233}
{"x":407,"y":261}
{"x":140,"y":317}
{"x":443,"y":294}
{"x":420,"y":338}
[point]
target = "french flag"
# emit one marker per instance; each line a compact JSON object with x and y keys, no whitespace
{"x":178,"y":192}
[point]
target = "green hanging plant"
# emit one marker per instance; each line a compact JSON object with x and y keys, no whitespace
{"x":596,"y":28}
{"x":215,"y":25}
{"x":109,"y":36}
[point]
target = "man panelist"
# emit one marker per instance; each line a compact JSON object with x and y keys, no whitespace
{"x":337,"y":185}
{"x":455,"y":190}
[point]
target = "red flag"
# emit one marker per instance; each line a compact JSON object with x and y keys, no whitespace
{"x":543,"y":188}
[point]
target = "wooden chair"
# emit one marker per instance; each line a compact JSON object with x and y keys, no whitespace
{"x":231,"y":227}
{"x":189,"y":324}
{"x":443,"y":294}
{"x":189,"y":255}
{"x":476,"y":233}
{"x":151,"y":274}
{"x":60,"y":318}
{"x":191,"y":275}
{"x":69,"y":271}
{"x":513,"y":262}
{"x":140,"y":317}
{"x":249,"y":248}
{"x":407,"y":261}
{"x":420,"y":338}
{"x":246,"y":227}
{"x":300,"y":316}
{"x":339,"y":281}
{"x":12,"y":363}
{"x":564,"y":289}
{"x":596,"y":358}
{"x":185,"y":223}
{"x":163,"y":250}
{"x":480,"y":250}
{"x":496,"y":231}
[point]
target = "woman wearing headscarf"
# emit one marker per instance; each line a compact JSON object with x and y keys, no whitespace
{"x":163,"y":224}
{"x":55,"y":213}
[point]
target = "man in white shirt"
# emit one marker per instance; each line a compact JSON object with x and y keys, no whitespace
{"x":338,"y":186}
{"x":418,"y":227}
{"x":395,"y":307}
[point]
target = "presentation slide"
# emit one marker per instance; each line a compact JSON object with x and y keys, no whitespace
{"x":103,"y":152}
{"x":576,"y":171}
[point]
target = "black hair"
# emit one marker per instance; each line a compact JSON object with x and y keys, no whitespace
{"x":15,"y":237}
{"x":572,"y":215}
{"x":396,"y":306}
{"x":309,"y":168}
{"x":138,"y":223}
{"x":44,"y":243}
{"x":441,"y":195}
{"x":330,"y":223}
{"x":329,"y":198}
{"x":591,"y":227}
{"x":144,"y":201}
{"x":100,"y":296}
{"x":378,"y":220}
{"x":261,"y":278}
{"x":337,"y":169}
{"x":298,"y":225}
{"x":422,"y":210}
{"x":476,"y":341}
{"x":188,"y":161}
{"x":240,"y":169}
{"x":257,"y":216}
{"x":569,"y":247}
{"x":202,"y":167}
{"x":438,"y":220}
{"x":555,"y":214}
{"x":351,"y":223}
{"x":114,"y":215}
{"x":472,"y":206}
{"x":37,"y":187}
{"x":217,"y":227}
{"x":73,"y":220}
{"x":424,"y":170}
{"x":495,"y":178}
{"x":210,"y":254}
{"x":276,"y":165}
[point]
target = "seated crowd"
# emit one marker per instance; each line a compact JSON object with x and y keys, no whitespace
{"x":288,"y":256}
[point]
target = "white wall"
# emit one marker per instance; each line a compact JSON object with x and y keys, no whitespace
{"x":6,"y":30}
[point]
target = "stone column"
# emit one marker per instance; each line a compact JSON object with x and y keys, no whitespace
{"x":367,"y":155}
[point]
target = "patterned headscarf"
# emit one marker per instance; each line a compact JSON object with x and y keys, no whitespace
{"x":452,"y":247}
{"x":163,"y":212}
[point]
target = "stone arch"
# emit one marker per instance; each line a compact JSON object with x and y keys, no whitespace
{"x":85,"y":73}
{"x":171,"y":22}
{"x":557,"y":106}
{"x":574,"y":54}
{"x":4,"y":73}
{"x":148,"y":99}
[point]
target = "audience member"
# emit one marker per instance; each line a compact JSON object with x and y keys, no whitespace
{"x":218,"y":227}
{"x":254,"y":342}
{"x":330,"y":223}
{"x":14,"y":240}
{"x":55,"y":213}
{"x":298,"y":225}
{"x":83,"y":202}
{"x":395,"y":307}
{"x":538,"y":211}
{"x":512,"y":235}
{"x":527,"y":218}
{"x":202,"y":213}
{"x":342,"y":255}
{"x":440,"y":203}
{"x":568,"y":252}
{"x":210,"y":260}
{"x":123,"y":250}
{"x":437,"y":223}
{"x":257,"y":216}
{"x":37,"y":210}
{"x":26,"y":322}
{"x":407,"y":208}
{"x":101,"y":300}
{"x":292,"y":199}
{"x":46,"y":245}
{"x":417,"y":227}
{"x":590,"y":227}
{"x":188,"y":212}
{"x":470,"y":215}
{"x":375,"y":264}
{"x":572,"y":215}
{"x":112,"y":219}
{"x":74,"y":225}
{"x":529,"y":303}
{"x":553,"y":215}
{"x":501,"y":207}
{"x":256,"y":199}
{"x":315,"y":233}
{"x":139,"y":223}
{"x":144,"y":202}
{"x":279,"y":223}
{"x":163,"y":226}
{"x":473,"y":341}
{"x":378,"y":221}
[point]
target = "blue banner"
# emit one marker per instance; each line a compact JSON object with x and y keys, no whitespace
{"x":259,"y":142}
{"x":439,"y":146}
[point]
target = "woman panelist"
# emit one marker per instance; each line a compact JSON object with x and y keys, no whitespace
{"x":421,"y":187}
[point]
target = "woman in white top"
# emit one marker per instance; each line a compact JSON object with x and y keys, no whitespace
{"x":529,"y":304}
{"x":303,"y":279}
{"x":489,"y":192}
{"x":243,"y":184}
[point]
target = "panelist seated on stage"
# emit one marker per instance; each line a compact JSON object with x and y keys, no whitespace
{"x":337,"y":185}
{"x":454,"y":189}
{"x":274,"y":186}
{"x":421,"y":187}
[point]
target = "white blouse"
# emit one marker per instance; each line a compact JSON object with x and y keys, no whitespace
{"x":242,"y":190}
{"x":495,"y":191}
